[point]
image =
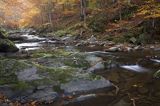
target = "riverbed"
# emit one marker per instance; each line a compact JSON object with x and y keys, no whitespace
{"x":128,"y":76}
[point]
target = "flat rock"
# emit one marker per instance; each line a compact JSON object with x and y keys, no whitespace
{"x":80,"y":86}
{"x":46,"y":95}
{"x":98,"y":66}
{"x":28,"y":74}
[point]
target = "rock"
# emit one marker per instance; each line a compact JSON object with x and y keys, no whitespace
{"x":80,"y":86}
{"x":113,"y":49}
{"x":98,"y":66}
{"x":28,"y":74}
{"x":92,"y":39}
{"x":129,"y":49}
{"x":7,"y":46}
{"x":133,"y":40}
{"x":85,"y":97}
{"x":67,"y":38}
{"x":81,"y":98}
{"x":2,"y":34}
{"x":137,"y":48}
{"x":46,"y":95}
{"x":6,"y":90}
{"x":92,"y":59}
{"x":99,"y":54}
{"x":16,"y":37}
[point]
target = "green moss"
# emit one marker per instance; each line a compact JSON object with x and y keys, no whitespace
{"x":95,"y":77}
{"x":7,"y":46}
{"x":21,"y":85}
{"x":8,"y":69}
{"x":61,"y":33}
{"x":62,"y":52}
{"x":61,"y":74}
{"x":51,"y":54}
{"x":68,"y":31}
{"x":77,"y":63}
{"x":57,"y":88}
{"x":37,"y":55}
{"x":3,"y":33}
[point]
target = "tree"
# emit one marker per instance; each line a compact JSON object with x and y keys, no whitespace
{"x":83,"y":10}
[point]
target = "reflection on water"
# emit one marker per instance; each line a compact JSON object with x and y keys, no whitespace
{"x":155,"y":60}
{"x":135,"y":68}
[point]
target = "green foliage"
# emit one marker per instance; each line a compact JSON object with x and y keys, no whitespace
{"x":126,"y":12}
{"x":143,"y":39}
{"x":98,"y":23}
{"x":71,"y":30}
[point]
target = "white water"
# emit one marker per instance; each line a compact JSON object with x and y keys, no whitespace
{"x":31,"y":45}
{"x":135,"y":68}
{"x":32,"y":37}
{"x":155,"y":60}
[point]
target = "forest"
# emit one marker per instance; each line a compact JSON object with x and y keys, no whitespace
{"x":79,"y":52}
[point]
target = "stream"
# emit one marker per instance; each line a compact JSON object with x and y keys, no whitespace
{"x":131,"y":75}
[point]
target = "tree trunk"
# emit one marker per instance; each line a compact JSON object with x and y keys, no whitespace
{"x":83,"y":10}
{"x":50,"y":12}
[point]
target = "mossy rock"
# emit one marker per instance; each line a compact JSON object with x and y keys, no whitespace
{"x":7,"y":46}
{"x":3,"y":34}
{"x":157,"y":74}
{"x":8,"y":70}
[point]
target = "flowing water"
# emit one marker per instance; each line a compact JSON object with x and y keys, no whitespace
{"x":131,"y":72}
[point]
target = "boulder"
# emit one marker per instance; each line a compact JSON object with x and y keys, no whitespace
{"x":2,"y":34}
{"x":7,"y":46}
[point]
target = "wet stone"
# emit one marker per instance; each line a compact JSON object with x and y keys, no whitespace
{"x":46,"y":95}
{"x":82,"y":98}
{"x":92,"y":59}
{"x":85,"y":86}
{"x":98,"y":66}
{"x":28,"y":74}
